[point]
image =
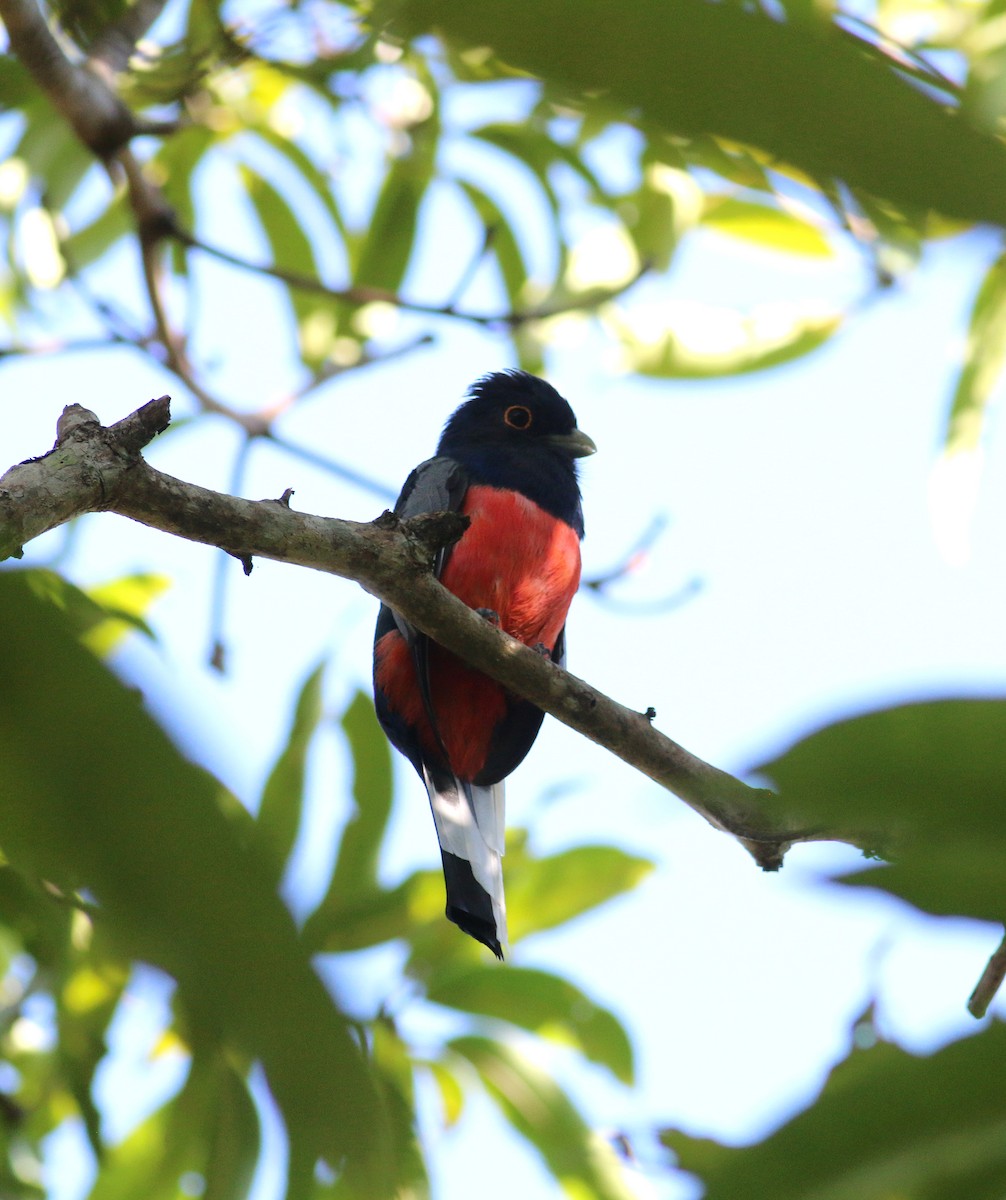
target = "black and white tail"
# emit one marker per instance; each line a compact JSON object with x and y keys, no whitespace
{"x":470,"y":823}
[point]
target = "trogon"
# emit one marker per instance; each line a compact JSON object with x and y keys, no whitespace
{"x":507,"y":460}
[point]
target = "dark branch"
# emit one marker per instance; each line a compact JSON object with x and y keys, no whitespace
{"x":95,"y":113}
{"x":92,"y":468}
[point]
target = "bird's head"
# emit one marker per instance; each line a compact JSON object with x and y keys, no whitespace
{"x":515,"y":411}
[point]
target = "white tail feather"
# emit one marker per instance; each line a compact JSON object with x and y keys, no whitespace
{"x":470,"y":823}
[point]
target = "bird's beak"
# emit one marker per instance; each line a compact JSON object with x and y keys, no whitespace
{"x":575,"y":444}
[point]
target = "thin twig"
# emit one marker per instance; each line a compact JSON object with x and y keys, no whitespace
{"x":362,"y":294}
{"x":990,"y":983}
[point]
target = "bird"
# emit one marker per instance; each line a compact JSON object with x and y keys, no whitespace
{"x":507,"y":460}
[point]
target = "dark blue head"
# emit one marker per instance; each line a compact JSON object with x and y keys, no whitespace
{"x":515,"y":431}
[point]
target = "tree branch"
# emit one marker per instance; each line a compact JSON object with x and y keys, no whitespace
{"x":96,"y":469}
{"x":95,"y":113}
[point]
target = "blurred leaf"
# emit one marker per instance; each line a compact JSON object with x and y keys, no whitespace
{"x":774,"y":228}
{"x":279,"y":811}
{"x":85,"y":1005}
{"x":124,"y":602}
{"x":305,"y":166}
{"x":925,"y":782}
{"x":963,"y":879}
{"x":928,"y":773}
{"x":56,"y":158}
{"x":887,"y":1125}
{"x":545,"y":892}
{"x":342,"y":923}
{"x":452,"y":1096}
{"x":105,"y":613}
{"x":387,"y":249}
{"x":804,"y":91}
{"x":87,"y":244}
{"x":96,"y":796}
{"x":700,"y":342}
{"x":174,"y":168}
{"x":373,"y":790}
{"x":355,"y":912}
{"x":539,"y":1002}
{"x":234,"y":1144}
{"x":291,"y":250}
{"x":504,"y":245}
{"x":581,"y":1161}
{"x":983,"y":361}
{"x":529,"y":146}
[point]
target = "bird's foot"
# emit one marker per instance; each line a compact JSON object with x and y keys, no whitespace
{"x":542,"y":649}
{"x":490,"y":615}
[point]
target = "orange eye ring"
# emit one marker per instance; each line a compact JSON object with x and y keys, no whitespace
{"x":518,"y":416}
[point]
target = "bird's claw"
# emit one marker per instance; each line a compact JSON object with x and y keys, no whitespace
{"x":490,"y":615}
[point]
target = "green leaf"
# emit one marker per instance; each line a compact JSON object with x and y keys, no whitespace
{"x":924,"y":783}
{"x":958,"y":880}
{"x":279,"y":811}
{"x":803,"y":91}
{"x":581,"y":1161}
{"x":545,"y":892}
{"x":234,"y":1142}
{"x":97,"y":796}
{"x":774,"y":228}
{"x":505,"y":247}
{"x":292,"y":250}
{"x":452,"y":1096}
{"x":87,"y":244}
{"x":174,"y":167}
{"x":887,"y":1125}
{"x":289,"y":243}
{"x":124,"y":602}
{"x":700,"y":342}
{"x":930,"y":773}
{"x":102,"y":615}
{"x":86,"y":1001}
{"x":539,"y":1002}
{"x":309,"y":171}
{"x":373,"y":791}
{"x":984,"y":356}
{"x":387,"y":249}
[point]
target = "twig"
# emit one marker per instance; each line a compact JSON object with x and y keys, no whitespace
{"x":221,"y":571}
{"x":113,"y":48}
{"x":92,"y":110}
{"x":990,"y":983}
{"x":349,"y":474}
{"x":361,"y":294}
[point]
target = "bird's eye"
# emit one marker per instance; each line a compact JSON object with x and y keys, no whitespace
{"x":518,"y":417}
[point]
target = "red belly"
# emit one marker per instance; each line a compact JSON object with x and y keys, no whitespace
{"x":523,"y":564}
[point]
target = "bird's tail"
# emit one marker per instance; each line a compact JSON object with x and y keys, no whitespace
{"x":471,"y":829}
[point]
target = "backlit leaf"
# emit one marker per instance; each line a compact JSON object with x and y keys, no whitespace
{"x":583,"y":1163}
{"x":278,"y":819}
{"x":545,"y":892}
{"x":887,"y":1125}
{"x":774,"y":228}
{"x":96,"y":796}
{"x":700,"y":342}
{"x":539,"y":1002}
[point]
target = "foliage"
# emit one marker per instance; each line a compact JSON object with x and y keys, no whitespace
{"x":346,"y":132}
{"x":118,"y":851}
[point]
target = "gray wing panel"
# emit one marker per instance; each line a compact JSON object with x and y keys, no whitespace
{"x":436,"y":485}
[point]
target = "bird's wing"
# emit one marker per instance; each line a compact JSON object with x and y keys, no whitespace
{"x":436,"y":485}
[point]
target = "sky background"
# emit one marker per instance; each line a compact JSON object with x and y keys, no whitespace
{"x":800,"y":499}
